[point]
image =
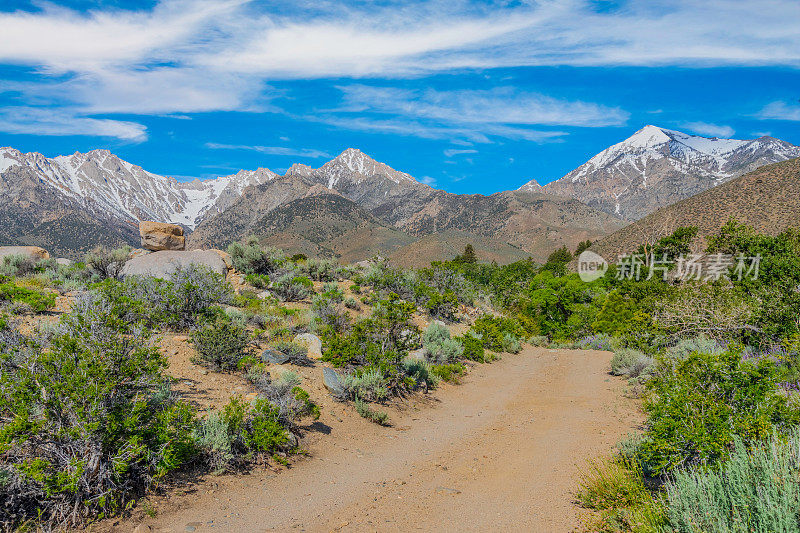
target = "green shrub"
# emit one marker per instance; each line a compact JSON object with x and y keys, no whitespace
{"x":754,"y":490}
{"x":494,"y":330}
{"x":473,"y":348}
{"x":87,"y":419}
{"x":511,"y":343}
{"x":363,"y":409}
{"x":259,"y":281}
{"x":107,"y":263}
{"x":292,"y":288}
{"x":436,"y":333}
{"x":448,"y":351}
{"x":18,"y":265}
{"x":421,"y":372}
{"x":298,"y":353}
{"x":695,"y":411}
{"x":222,"y":344}
{"x":681,"y":349}
{"x":382,"y":340}
{"x":233,"y":436}
{"x":625,"y":359}
{"x":448,"y":372}
{"x":616,"y":490}
{"x":189,"y":297}
{"x":368,"y":383}
{"x":351,"y":303}
{"x":37,"y":301}
{"x":251,"y":258}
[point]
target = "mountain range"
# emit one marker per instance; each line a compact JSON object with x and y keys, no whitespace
{"x":656,"y":167}
{"x":766,"y":199}
{"x":353,"y":207}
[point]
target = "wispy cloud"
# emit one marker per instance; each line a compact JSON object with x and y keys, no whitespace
{"x":37,"y":121}
{"x":709,"y":130}
{"x":427,"y":180}
{"x":452,"y":151}
{"x":184,"y":56}
{"x":780,"y":111}
{"x":272,"y":150}
{"x":500,"y":105}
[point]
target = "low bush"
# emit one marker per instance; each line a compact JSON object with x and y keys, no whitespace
{"x":495,"y":331}
{"x":421,"y":372}
{"x":298,"y":353}
{"x":221,"y":344}
{"x":240,"y":432}
{"x":615,"y":489}
{"x":291,"y":288}
{"x":88,"y":420}
{"x":695,"y":411}
{"x":37,"y":301}
{"x":448,"y":372}
{"x":250,"y":258}
{"x":368,"y":383}
{"x":754,"y":490}
{"x":511,"y":343}
{"x":107,"y":263}
{"x":681,"y":349}
{"x":259,"y":281}
{"x":626,"y":359}
{"x":292,"y":402}
{"x":185,"y":300}
{"x":373,"y":415}
{"x":599,"y":341}
{"x":473,"y":348}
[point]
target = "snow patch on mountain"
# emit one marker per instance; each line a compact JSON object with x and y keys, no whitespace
{"x":106,"y":184}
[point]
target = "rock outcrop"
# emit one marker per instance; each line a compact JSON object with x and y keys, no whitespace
{"x":164,"y":263}
{"x":312,"y":342}
{"x":31,"y":252}
{"x":158,"y":236}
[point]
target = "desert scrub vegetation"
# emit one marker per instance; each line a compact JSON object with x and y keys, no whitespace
{"x":191,"y":296}
{"x":373,"y":415}
{"x":221,"y":344}
{"x":18,"y":299}
{"x":87,"y":419}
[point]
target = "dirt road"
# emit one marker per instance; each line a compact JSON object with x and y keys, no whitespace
{"x":500,"y":452}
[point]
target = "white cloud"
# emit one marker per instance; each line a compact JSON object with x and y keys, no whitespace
{"x":272,"y":150}
{"x":780,"y":111}
{"x":183,"y":56}
{"x":37,"y":121}
{"x":501,"y":105}
{"x":427,"y":180}
{"x":709,"y":130}
{"x":451,"y":152}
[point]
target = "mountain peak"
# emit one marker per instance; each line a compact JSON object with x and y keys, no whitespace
{"x":353,"y":160}
{"x":648,"y":136}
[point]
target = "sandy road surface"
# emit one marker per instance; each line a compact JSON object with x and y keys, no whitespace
{"x":500,"y":452}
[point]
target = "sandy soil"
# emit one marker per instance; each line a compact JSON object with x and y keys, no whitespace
{"x":502,"y":451}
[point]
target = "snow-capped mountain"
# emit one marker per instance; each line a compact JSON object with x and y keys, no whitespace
{"x":109,"y":186}
{"x":360,"y":178}
{"x":657,"y":167}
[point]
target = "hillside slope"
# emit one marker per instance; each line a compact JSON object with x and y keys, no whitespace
{"x":767,"y":199}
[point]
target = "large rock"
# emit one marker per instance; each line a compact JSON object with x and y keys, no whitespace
{"x":164,"y":263}
{"x":157,"y":236}
{"x":274,"y":357}
{"x":330,"y":378}
{"x":31,"y":252}
{"x":312,"y":342}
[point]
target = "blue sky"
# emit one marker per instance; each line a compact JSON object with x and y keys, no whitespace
{"x":467,"y":96}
